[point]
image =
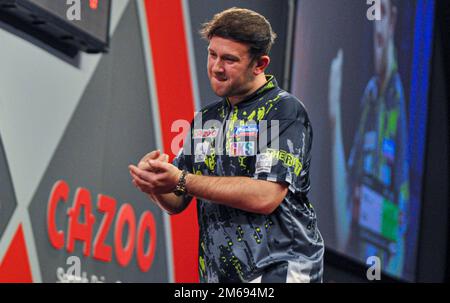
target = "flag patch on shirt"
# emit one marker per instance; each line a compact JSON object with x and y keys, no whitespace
{"x":246,"y":131}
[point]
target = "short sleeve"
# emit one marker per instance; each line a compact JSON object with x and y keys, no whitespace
{"x":286,"y":155}
{"x":183,"y":159}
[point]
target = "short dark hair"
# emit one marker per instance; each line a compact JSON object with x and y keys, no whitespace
{"x":242,"y":25}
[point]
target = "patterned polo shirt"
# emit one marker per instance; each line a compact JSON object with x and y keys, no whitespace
{"x":267,"y":136}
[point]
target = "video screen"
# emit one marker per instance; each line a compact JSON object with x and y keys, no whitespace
{"x":361,"y":68}
{"x":93,"y":16}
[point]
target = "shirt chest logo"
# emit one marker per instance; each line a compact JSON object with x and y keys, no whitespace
{"x":245,"y":131}
{"x":205,"y":133}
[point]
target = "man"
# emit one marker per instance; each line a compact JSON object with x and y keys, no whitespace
{"x":256,"y":223}
{"x":371,"y":191}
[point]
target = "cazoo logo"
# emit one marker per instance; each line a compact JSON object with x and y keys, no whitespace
{"x":80,"y":227}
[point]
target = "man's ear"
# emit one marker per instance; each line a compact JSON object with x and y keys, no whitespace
{"x":261,"y":64}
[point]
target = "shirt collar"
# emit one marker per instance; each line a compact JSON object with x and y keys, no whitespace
{"x":270,"y":84}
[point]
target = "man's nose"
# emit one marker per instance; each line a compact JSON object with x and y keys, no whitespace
{"x":218,"y":67}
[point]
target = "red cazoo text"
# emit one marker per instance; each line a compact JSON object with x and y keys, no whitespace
{"x":82,"y":207}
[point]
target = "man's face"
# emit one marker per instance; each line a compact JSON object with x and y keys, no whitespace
{"x":383,"y":33}
{"x":229,"y":70}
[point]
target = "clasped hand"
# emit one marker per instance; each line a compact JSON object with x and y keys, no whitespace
{"x":154,"y":175}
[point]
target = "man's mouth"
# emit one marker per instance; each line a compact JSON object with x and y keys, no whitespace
{"x":220,"y":78}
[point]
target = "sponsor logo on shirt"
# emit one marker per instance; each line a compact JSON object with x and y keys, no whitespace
{"x":201,"y":150}
{"x":263,"y":163}
{"x":238,"y":149}
{"x":205,"y":133}
{"x":246,"y":131}
{"x":288,"y":159}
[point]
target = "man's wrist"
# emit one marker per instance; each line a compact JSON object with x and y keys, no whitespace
{"x":180,"y":188}
{"x":189,"y":177}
